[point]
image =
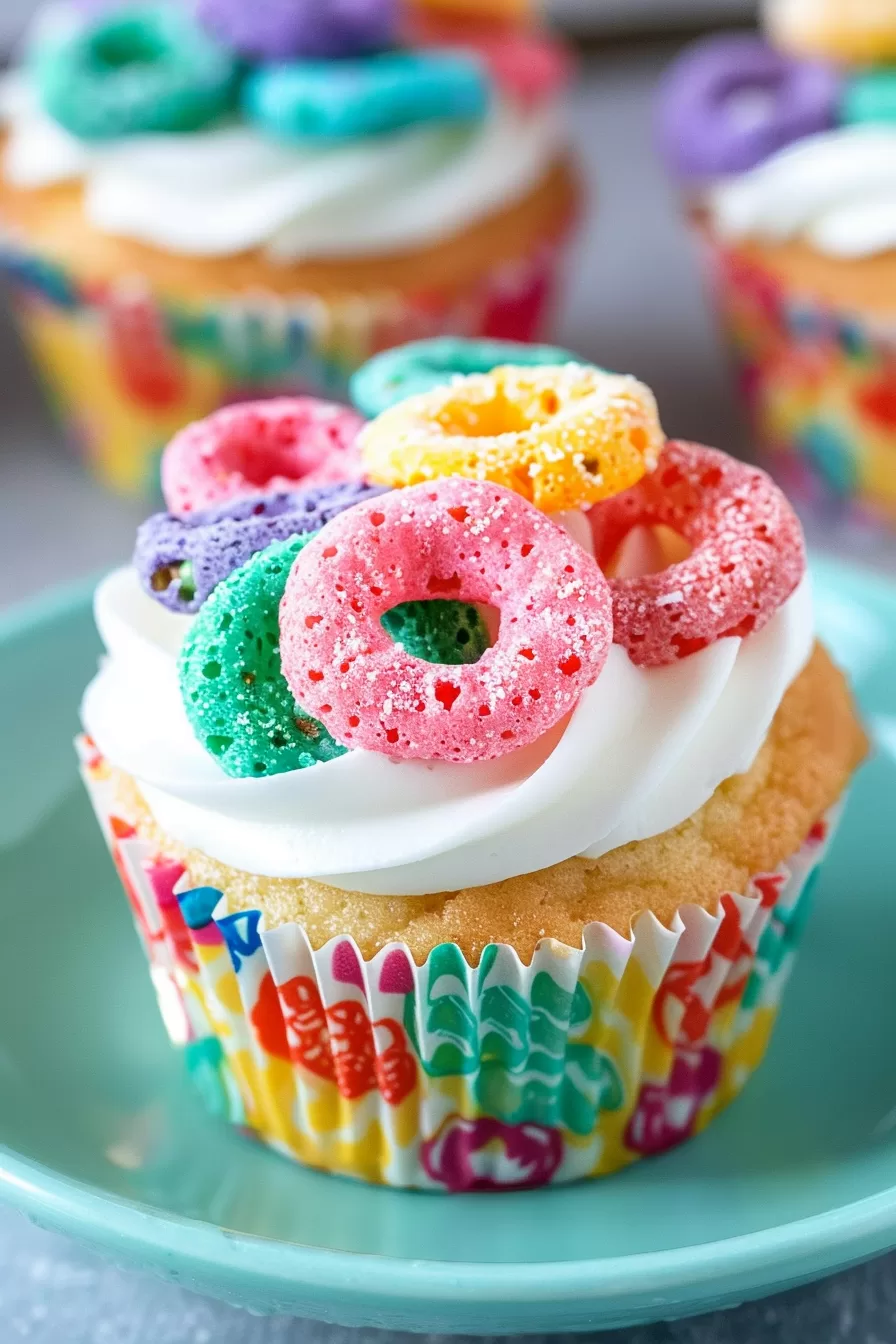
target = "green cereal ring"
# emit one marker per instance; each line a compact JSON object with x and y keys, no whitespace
{"x":438,"y":631}
{"x":138,"y":70}
{"x":233,"y":690}
{"x":870,"y":97}
{"x":396,"y":374}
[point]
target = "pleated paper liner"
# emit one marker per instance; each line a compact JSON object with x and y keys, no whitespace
{"x":124,"y":369}
{"x":820,"y":390}
{"x":452,"y":1077}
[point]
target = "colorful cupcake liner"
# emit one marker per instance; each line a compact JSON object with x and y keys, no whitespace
{"x":125,"y":368}
{"x":452,"y":1077}
{"x":820,"y":388}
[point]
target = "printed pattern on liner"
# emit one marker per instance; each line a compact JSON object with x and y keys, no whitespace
{"x":820,"y":388}
{"x":457,"y":1078}
{"x":126,"y":370}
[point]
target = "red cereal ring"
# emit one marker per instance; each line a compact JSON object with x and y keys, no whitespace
{"x":748,"y":554}
{"x":256,"y":446}
{"x":532,"y":67}
{"x":473,"y":542}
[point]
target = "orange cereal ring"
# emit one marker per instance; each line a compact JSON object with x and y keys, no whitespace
{"x":561,"y":436}
{"x":488,"y":11}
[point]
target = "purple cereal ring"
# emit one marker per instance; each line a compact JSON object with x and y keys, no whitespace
{"x":180,"y":561}
{"x":281,"y":29}
{"x":730,"y":102}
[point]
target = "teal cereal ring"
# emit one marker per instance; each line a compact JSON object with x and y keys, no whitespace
{"x":870,"y":97}
{"x":396,"y":374}
{"x":326,"y":101}
{"x":234,"y":692}
{"x":140,"y":70}
{"x":438,"y":631}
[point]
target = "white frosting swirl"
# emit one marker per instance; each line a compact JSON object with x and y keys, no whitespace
{"x":837,"y":190}
{"x":218,"y":192}
{"x":642,"y":751}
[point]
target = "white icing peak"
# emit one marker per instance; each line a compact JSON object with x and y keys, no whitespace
{"x":642,"y":751}
{"x":836,"y":189}
{"x":218,"y":192}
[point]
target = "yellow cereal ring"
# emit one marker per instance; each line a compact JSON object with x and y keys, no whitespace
{"x":562,"y":437}
{"x":848,"y":32}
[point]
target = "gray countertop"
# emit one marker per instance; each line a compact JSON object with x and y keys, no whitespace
{"x":636,"y":304}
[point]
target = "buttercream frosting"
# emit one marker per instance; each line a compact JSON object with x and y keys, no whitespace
{"x":836,"y":190}
{"x":643,"y":750}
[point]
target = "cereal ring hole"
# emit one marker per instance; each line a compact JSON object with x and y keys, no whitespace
{"x":130,"y":41}
{"x":443,"y":632}
{"x":646,"y":550}
{"x":493,"y":415}
{"x":242,"y":454}
{"x":177,"y":573}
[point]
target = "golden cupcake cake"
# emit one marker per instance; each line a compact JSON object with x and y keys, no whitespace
{"x":786,"y":149}
{"x":469,"y":810}
{"x":204,"y":203}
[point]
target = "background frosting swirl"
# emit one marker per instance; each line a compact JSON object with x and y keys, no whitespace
{"x":837,"y":190}
{"x":228,"y":189}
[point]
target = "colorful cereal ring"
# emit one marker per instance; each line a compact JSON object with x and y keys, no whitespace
{"x":347,"y":100}
{"x":145,"y":69}
{"x":488,"y":11}
{"x":562,"y":437}
{"x":273,"y":445}
{"x":482,"y":544}
{"x":870,"y":97}
{"x":748,"y":554}
{"x":277,"y":30}
{"x":180,"y":561}
{"x":530,"y":66}
{"x":408,"y":370}
{"x":232,"y":686}
{"x":730,"y":102}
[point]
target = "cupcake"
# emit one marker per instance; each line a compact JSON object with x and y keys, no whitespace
{"x":787,"y":151}
{"x":469,"y":811}
{"x":207,"y":202}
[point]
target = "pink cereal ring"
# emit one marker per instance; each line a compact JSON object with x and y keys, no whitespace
{"x":453,"y":538}
{"x":748,"y":554}
{"x":531,"y":67}
{"x":257,"y":446}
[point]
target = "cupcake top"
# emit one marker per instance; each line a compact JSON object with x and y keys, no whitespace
{"x":505,"y":624}
{"x":794,"y":137}
{"x":307,"y":129}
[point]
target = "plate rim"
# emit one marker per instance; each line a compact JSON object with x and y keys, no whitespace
{"x":750,"y":1263}
{"x":864,"y":1226}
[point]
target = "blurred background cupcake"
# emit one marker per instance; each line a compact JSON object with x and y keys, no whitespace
{"x":204,"y":202}
{"x":787,"y":150}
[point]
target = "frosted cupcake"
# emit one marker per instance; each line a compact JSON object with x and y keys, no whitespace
{"x":788,"y":155}
{"x":254,"y":199}
{"x":470,"y":836}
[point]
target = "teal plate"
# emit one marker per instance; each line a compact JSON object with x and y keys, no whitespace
{"x":102,"y":1137}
